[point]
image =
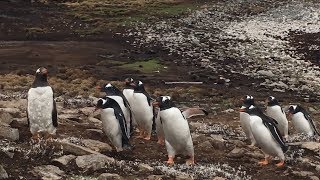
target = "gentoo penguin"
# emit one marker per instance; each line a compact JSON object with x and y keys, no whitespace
{"x":113,"y":123}
{"x":176,"y":130}
{"x":275,"y":111}
{"x":302,"y":120}
{"x":245,"y":118}
{"x":128,"y":93}
{"x":143,"y":110}
{"x":267,"y":135}
{"x":41,"y":110}
{"x":114,"y":93}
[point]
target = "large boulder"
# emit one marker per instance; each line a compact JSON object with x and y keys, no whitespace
{"x":9,"y":133}
{"x":3,"y":173}
{"x":48,"y":172}
{"x":5,"y":117}
{"x":109,"y":176}
{"x":96,"y":145}
{"x":64,"y":160}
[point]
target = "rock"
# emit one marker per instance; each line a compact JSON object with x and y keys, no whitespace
{"x":229,"y":110}
{"x":265,"y":73}
{"x":312,"y":110}
{"x":87,"y":110}
{"x":237,"y":143}
{"x":95,"y":121}
{"x":313,"y":177}
{"x":195,"y":125}
{"x":9,"y":154}
{"x":217,"y":141}
{"x":183,"y":177}
{"x":109,"y":176}
{"x":218,"y":178}
{"x":318,"y":168}
{"x":236,"y":153}
{"x":72,"y":117}
{"x":302,"y":173}
{"x":206,"y":146}
{"x":9,"y":133}
{"x":95,"y":132}
{"x":75,"y":149}
{"x":96,"y":145}
{"x":5,"y":117}
{"x":64,"y":160}
{"x":3,"y":173}
{"x":48,"y":172}
{"x":15,"y":112}
{"x":155,"y":177}
{"x":255,"y":155}
{"x":93,"y":161}
{"x":312,"y":146}
{"x":22,"y":121}
{"x":145,"y":167}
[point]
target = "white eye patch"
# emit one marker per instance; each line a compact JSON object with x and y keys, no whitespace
{"x":164,"y":98}
{"x":38,"y":70}
{"x":108,"y":85}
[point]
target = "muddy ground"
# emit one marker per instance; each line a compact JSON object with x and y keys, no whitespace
{"x":101,"y":56}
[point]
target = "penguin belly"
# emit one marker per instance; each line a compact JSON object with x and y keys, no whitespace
{"x":276,"y":113}
{"x":176,"y":132}
{"x":301,"y":124}
{"x":125,"y":110}
{"x":111,"y":127}
{"x":143,"y":113}
{"x":245,"y":124}
{"x":40,"y":106}
{"x":264,"y":138}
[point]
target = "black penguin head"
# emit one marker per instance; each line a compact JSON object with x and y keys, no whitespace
{"x":41,"y":78}
{"x":129,"y":83}
{"x":109,"y":89}
{"x":252,"y":110}
{"x":164,"y":102}
{"x":272,"y":101}
{"x":293,"y":109}
{"x":103,"y":102}
{"x":139,"y":87}
{"x":247,"y":100}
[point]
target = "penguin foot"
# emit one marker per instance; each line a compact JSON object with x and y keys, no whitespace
{"x":35,"y":137}
{"x":119,"y":149}
{"x":280,"y":164}
{"x":147,"y":137}
{"x":190,"y":161}
{"x":170,"y":160}
{"x":160,"y":141}
{"x":264,"y":162}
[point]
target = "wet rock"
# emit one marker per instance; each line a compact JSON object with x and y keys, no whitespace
{"x":155,"y":177}
{"x":145,"y":167}
{"x":93,"y":161}
{"x":75,"y":149}
{"x":64,"y":160}
{"x":109,"y":176}
{"x":9,"y":133}
{"x":312,"y":146}
{"x":48,"y":172}
{"x":96,"y":145}
{"x":5,"y":117}
{"x":236,"y":153}
{"x":3,"y":173}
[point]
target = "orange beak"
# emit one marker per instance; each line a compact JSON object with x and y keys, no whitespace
{"x":242,"y":110}
{"x":155,"y":104}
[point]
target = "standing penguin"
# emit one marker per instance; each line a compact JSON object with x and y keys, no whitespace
{"x":302,"y":120}
{"x":41,"y":110}
{"x":267,"y":135}
{"x":114,"y":93}
{"x":113,"y":123}
{"x":128,"y":89}
{"x":245,"y":118}
{"x":176,"y":130}
{"x":143,"y":110}
{"x":275,"y":111}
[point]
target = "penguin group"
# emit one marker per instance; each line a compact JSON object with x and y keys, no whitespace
{"x":269,"y":130}
{"x":134,"y":110}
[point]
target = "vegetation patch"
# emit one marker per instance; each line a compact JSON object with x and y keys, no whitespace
{"x":148,"y":66}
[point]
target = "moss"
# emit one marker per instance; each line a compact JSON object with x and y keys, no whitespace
{"x":148,"y":66}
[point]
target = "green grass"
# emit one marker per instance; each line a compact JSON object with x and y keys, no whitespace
{"x":148,"y":66}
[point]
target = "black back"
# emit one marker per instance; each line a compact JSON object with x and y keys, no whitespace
{"x":271,"y":124}
{"x":306,"y":115}
{"x":107,"y":102}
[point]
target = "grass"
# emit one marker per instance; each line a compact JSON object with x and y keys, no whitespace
{"x":148,"y":66}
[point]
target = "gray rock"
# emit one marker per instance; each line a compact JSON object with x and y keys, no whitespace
{"x":311,"y":109}
{"x":206,"y":146}
{"x":74,"y":149}
{"x":145,"y":167}
{"x":218,"y":178}
{"x":48,"y":172}
{"x":109,"y":176}
{"x":313,"y":177}
{"x":96,"y":145}
{"x":22,"y":121}
{"x":302,"y":173}
{"x":72,"y":117}
{"x":265,"y":73}
{"x":93,"y":161}
{"x":95,"y":132}
{"x":217,"y":141}
{"x":5,"y":117}
{"x":95,"y":121}
{"x":3,"y":173}
{"x":15,"y":112}
{"x":64,"y":160}
{"x":155,"y":177}
{"x":183,"y":177}
{"x":9,"y":133}
{"x":318,"y":168}
{"x":236,"y":153}
{"x":312,"y":146}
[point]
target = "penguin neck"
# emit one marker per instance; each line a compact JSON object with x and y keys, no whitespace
{"x":111,"y":92}
{"x":273,"y":103}
{"x":128,"y":86}
{"x":167,"y":105}
{"x":139,"y":89}
{"x":40,"y":81}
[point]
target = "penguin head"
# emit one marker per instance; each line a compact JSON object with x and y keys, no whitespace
{"x":129,"y":82}
{"x":139,"y":86}
{"x":42,"y":73}
{"x":293,"y":109}
{"x":247,"y":100}
{"x":252,"y":110}
{"x":272,"y":101}
{"x":109,"y":89}
{"x":103,"y":102}
{"x":164,"y":102}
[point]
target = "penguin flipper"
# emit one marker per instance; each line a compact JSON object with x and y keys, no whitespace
{"x":190,"y":112}
{"x":276,"y":135}
{"x":309,"y":119}
{"x":54,"y":114}
{"x":123,"y":125}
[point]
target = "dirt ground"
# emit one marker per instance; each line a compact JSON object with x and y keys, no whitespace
{"x":21,"y":54}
